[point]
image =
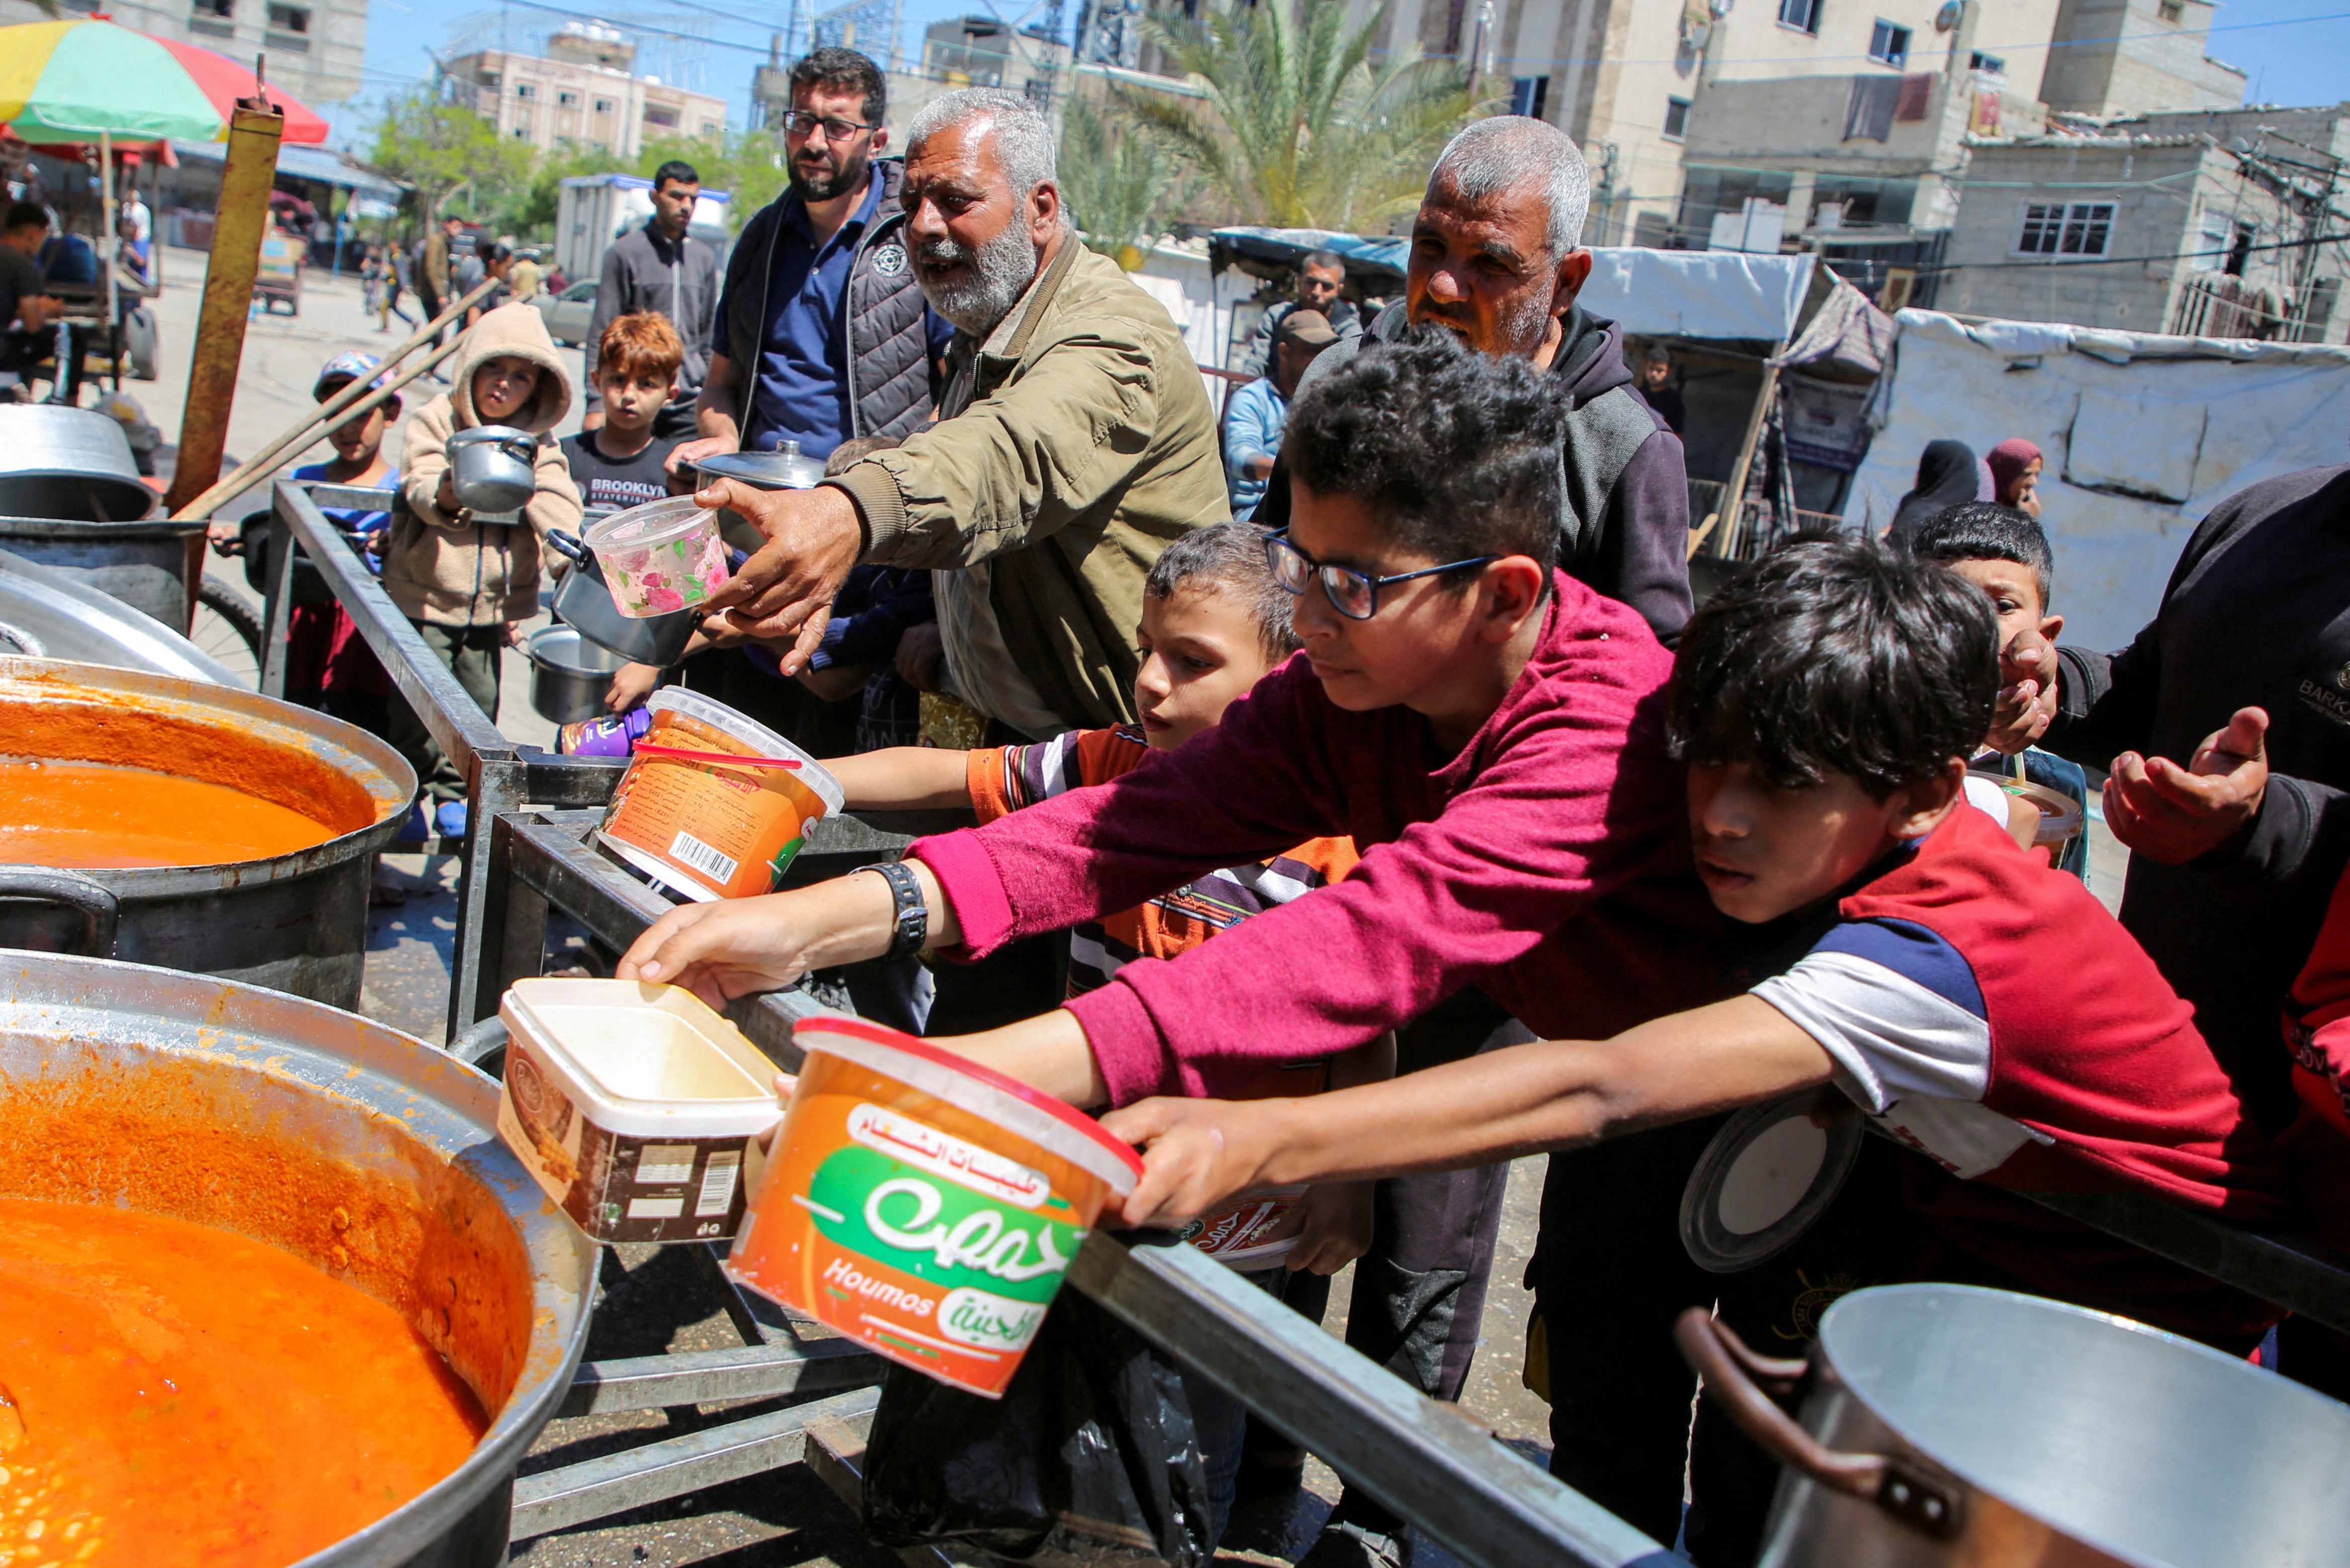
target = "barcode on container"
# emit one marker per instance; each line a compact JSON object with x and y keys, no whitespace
{"x":717,"y":1185}
{"x":665,"y":1165}
{"x":686,"y":849}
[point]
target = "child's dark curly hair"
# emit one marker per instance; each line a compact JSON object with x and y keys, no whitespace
{"x":1836,"y":654}
{"x":1457,"y":453}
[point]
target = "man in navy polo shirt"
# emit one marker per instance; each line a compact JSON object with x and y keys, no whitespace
{"x":823,"y":334}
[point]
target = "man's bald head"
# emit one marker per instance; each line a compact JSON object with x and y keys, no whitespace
{"x":1510,"y":152}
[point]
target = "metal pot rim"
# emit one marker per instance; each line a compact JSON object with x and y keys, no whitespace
{"x":393,"y":788}
{"x":444,"y":1105}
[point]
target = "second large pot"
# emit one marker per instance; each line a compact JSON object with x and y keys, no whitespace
{"x":144,"y":565}
{"x":1951,"y":1427}
{"x":295,"y":922}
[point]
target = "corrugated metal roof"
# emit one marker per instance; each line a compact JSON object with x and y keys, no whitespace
{"x":303,"y":163}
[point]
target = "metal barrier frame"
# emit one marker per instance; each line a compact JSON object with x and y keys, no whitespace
{"x":499,"y":775}
{"x":1431,"y":1463}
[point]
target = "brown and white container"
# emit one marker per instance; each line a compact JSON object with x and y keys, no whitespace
{"x":638,"y":1108}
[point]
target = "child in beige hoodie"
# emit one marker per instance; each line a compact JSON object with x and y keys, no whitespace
{"x":463,"y":583}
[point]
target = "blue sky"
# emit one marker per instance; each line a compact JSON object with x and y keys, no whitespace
{"x":2293,"y":51}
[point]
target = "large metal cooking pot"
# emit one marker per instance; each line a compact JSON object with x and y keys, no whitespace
{"x":1951,"y":1427}
{"x":47,"y":614}
{"x":277,"y":1118}
{"x":57,"y":461}
{"x":785,"y":468}
{"x":570,"y":674}
{"x":489,"y":467}
{"x":295,"y":923}
{"x":144,"y":565}
{"x":585,"y":601}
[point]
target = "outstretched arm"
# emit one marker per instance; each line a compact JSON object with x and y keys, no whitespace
{"x":1553,"y":1094}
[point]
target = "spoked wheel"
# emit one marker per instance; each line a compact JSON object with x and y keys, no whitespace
{"x":229,"y":629}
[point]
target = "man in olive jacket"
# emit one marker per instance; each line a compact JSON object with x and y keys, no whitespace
{"x":1074,"y":440}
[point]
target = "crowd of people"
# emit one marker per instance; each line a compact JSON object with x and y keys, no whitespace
{"x":1363,"y":802}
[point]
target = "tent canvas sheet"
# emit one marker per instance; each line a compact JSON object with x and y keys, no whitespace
{"x":2142,"y":434}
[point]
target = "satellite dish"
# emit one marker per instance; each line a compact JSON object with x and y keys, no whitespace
{"x":1946,"y":18}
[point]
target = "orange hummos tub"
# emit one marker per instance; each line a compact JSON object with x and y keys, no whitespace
{"x":923,"y":1205}
{"x":702,"y":824}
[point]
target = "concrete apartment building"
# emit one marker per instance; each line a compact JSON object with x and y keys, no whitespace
{"x":2182,"y":222}
{"x":582,"y":91}
{"x":2137,"y":56}
{"x":957,"y":52}
{"x":315,"y":46}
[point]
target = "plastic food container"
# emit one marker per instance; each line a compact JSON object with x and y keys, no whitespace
{"x":1253,"y":1231}
{"x":700,"y":824}
{"x":922,"y":1205}
{"x":2060,"y":816}
{"x":638,"y":1108}
{"x":661,"y":558}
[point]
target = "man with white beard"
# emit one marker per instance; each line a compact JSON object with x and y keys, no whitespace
{"x":1074,"y":440}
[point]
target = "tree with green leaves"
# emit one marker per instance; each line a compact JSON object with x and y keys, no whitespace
{"x":1301,"y":129}
{"x":440,"y":149}
{"x":1121,"y":184}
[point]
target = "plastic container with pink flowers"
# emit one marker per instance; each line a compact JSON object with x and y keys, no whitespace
{"x":661,"y":558}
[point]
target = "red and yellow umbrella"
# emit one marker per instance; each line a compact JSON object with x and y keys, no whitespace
{"x":77,"y":82}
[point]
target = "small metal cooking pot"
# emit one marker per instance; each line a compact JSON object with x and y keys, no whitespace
{"x":489,"y":467}
{"x":584,"y":602}
{"x":569,"y":674}
{"x":1954,"y":1427}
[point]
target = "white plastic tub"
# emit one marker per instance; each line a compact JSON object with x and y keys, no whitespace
{"x":638,"y":1109}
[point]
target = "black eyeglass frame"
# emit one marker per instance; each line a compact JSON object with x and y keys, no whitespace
{"x":1277,"y":545}
{"x":804,"y":122}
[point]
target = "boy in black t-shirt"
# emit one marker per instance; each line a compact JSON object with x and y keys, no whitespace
{"x":623,"y":464}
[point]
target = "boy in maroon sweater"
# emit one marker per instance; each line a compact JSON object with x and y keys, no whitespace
{"x":1489,"y":731}
{"x":1979,"y":1006}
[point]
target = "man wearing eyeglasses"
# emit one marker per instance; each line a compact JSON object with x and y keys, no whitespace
{"x":823,"y":332}
{"x":661,"y":268}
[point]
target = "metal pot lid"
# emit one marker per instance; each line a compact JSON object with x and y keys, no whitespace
{"x":57,"y":461}
{"x":1767,"y":1178}
{"x":766,"y":470}
{"x":47,"y":614}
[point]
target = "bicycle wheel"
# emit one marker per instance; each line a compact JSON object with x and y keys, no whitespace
{"x":230,"y":630}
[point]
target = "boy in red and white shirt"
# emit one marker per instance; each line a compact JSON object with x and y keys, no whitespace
{"x":1983,"y":1008}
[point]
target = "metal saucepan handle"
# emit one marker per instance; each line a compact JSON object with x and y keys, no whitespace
{"x":566,"y":544}
{"x":98,"y":908}
{"x":1735,"y":1376}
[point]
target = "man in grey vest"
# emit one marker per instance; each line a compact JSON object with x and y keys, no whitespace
{"x":661,"y":267}
{"x":823,"y":334}
{"x":1497,"y":256}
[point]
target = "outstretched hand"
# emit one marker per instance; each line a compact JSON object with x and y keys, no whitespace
{"x":1195,"y":1154}
{"x":784,"y":592}
{"x":2026,"y":702}
{"x":723,"y":950}
{"x":2173,"y":815}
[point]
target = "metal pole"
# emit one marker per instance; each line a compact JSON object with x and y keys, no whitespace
{"x":254,"y":131}
{"x":1731,"y":515}
{"x":108,"y":244}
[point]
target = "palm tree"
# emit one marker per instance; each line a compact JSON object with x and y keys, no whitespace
{"x":1302,"y":130}
{"x":1121,"y":185}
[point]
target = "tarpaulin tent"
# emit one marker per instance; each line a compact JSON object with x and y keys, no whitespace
{"x":2142,"y":434}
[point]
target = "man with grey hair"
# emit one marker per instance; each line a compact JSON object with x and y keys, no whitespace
{"x":1497,"y":257}
{"x":1074,"y":440}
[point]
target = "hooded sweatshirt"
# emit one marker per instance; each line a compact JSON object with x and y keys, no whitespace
{"x":445,"y":568}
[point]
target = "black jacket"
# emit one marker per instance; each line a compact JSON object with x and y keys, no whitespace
{"x":2257,"y":613}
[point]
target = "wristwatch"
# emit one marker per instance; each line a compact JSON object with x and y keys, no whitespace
{"x":913,"y":916}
